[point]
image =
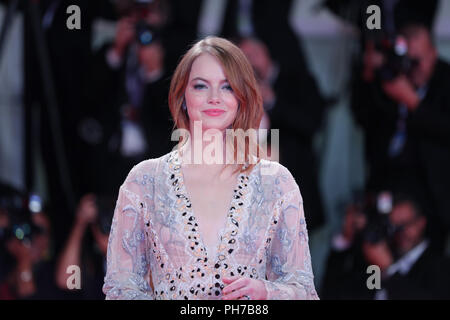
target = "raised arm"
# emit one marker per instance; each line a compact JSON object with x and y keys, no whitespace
{"x":128,"y":272}
{"x":289,"y":271}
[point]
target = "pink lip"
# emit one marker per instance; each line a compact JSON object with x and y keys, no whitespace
{"x":214,"y":112}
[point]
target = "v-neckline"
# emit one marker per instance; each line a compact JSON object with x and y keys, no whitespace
{"x":230,"y":227}
{"x":214,"y":249}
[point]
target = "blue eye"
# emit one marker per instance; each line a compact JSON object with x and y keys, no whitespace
{"x":228,"y":87}
{"x":199,"y":86}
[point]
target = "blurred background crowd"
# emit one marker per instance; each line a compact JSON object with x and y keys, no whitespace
{"x":364,"y":120}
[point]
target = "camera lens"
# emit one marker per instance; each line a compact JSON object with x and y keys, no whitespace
{"x":35,"y":204}
{"x":146,"y":37}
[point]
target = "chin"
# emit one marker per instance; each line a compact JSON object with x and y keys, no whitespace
{"x":214,"y":127}
{"x":218,"y":124}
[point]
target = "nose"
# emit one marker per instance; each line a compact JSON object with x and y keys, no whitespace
{"x":213,"y":98}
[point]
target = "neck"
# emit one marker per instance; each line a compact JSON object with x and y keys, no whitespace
{"x":205,"y":148}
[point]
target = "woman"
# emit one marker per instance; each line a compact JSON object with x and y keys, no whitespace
{"x":176,"y":234}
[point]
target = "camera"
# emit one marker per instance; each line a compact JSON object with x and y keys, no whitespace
{"x":19,"y":209}
{"x":145,"y":33}
{"x":396,"y":60}
{"x":377,"y":209}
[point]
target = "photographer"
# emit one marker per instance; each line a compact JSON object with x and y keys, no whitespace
{"x":26,"y":253}
{"x":88,"y":251}
{"x":410,"y":269}
{"x":345,"y":266}
{"x":392,"y":237}
{"x":126,"y":91}
{"x":402,"y":102}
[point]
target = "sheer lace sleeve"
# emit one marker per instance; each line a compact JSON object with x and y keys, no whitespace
{"x":127,"y":260}
{"x":289,"y":270}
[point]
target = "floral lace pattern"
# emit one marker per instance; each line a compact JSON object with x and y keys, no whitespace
{"x":156,"y":250}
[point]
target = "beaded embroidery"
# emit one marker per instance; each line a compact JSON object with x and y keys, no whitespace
{"x":154,"y":228}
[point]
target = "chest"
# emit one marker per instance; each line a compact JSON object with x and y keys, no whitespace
{"x":211,"y":201}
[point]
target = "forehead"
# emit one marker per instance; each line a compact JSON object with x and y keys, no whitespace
{"x":207,"y":67}
{"x":402,"y":212}
{"x":419,"y":40}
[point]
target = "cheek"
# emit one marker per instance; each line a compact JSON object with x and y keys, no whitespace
{"x":194,"y":99}
{"x":231,"y":102}
{"x":414,"y":232}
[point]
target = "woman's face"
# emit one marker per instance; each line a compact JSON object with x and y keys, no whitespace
{"x":209,"y":97}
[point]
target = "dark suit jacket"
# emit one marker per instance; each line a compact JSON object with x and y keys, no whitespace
{"x":427,"y":279}
{"x":426,"y":170}
{"x":298,"y":114}
{"x":69,"y":56}
{"x":430,"y":126}
{"x":107,"y":94}
{"x":346,"y":277}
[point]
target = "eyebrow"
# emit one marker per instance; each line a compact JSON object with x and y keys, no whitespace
{"x":202,"y":79}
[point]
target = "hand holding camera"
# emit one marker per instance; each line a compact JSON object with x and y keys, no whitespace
{"x":378,"y":254}
{"x":390,"y":60}
{"x":401,"y":90}
{"x":87,"y":210}
{"x":354,"y":222}
{"x":124,"y":36}
{"x":372,"y":60}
